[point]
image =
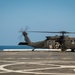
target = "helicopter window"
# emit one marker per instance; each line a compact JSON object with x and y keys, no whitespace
{"x":73,"y":41}
{"x":42,"y":44}
{"x":49,"y":42}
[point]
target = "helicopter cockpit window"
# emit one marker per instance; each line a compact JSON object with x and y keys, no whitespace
{"x":49,"y":42}
{"x":42,"y":44}
{"x":73,"y":41}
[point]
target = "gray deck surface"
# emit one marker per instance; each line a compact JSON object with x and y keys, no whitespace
{"x":37,"y":63}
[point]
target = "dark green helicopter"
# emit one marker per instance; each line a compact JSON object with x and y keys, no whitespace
{"x":62,"y":42}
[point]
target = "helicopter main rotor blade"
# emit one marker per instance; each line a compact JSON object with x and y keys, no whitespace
{"x":42,"y":32}
{"x":65,"y":32}
{"x":61,"y":32}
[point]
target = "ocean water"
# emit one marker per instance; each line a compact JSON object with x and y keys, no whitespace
{"x":15,"y":47}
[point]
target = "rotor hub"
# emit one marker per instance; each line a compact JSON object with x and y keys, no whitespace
{"x":24,"y":33}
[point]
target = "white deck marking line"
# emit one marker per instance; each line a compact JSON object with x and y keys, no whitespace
{"x":35,"y":58}
{"x":9,"y":58}
{"x":7,"y":61}
{"x":38,"y":63}
{"x":73,"y":66}
{"x":43,"y":73}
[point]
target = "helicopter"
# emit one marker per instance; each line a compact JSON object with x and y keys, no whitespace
{"x":62,"y":42}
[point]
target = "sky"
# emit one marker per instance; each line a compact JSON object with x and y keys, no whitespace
{"x":37,"y":15}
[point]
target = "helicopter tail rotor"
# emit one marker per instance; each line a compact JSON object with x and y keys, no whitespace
{"x":23,"y":31}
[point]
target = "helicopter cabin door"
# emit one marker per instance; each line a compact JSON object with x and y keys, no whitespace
{"x":51,"y":44}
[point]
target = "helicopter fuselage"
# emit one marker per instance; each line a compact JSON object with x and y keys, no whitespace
{"x":51,"y":42}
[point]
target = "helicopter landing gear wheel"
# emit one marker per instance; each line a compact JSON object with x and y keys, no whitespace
{"x":33,"y":49}
{"x":72,"y":50}
{"x":62,"y":50}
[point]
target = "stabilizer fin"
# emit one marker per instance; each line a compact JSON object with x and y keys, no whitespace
{"x":23,"y":43}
